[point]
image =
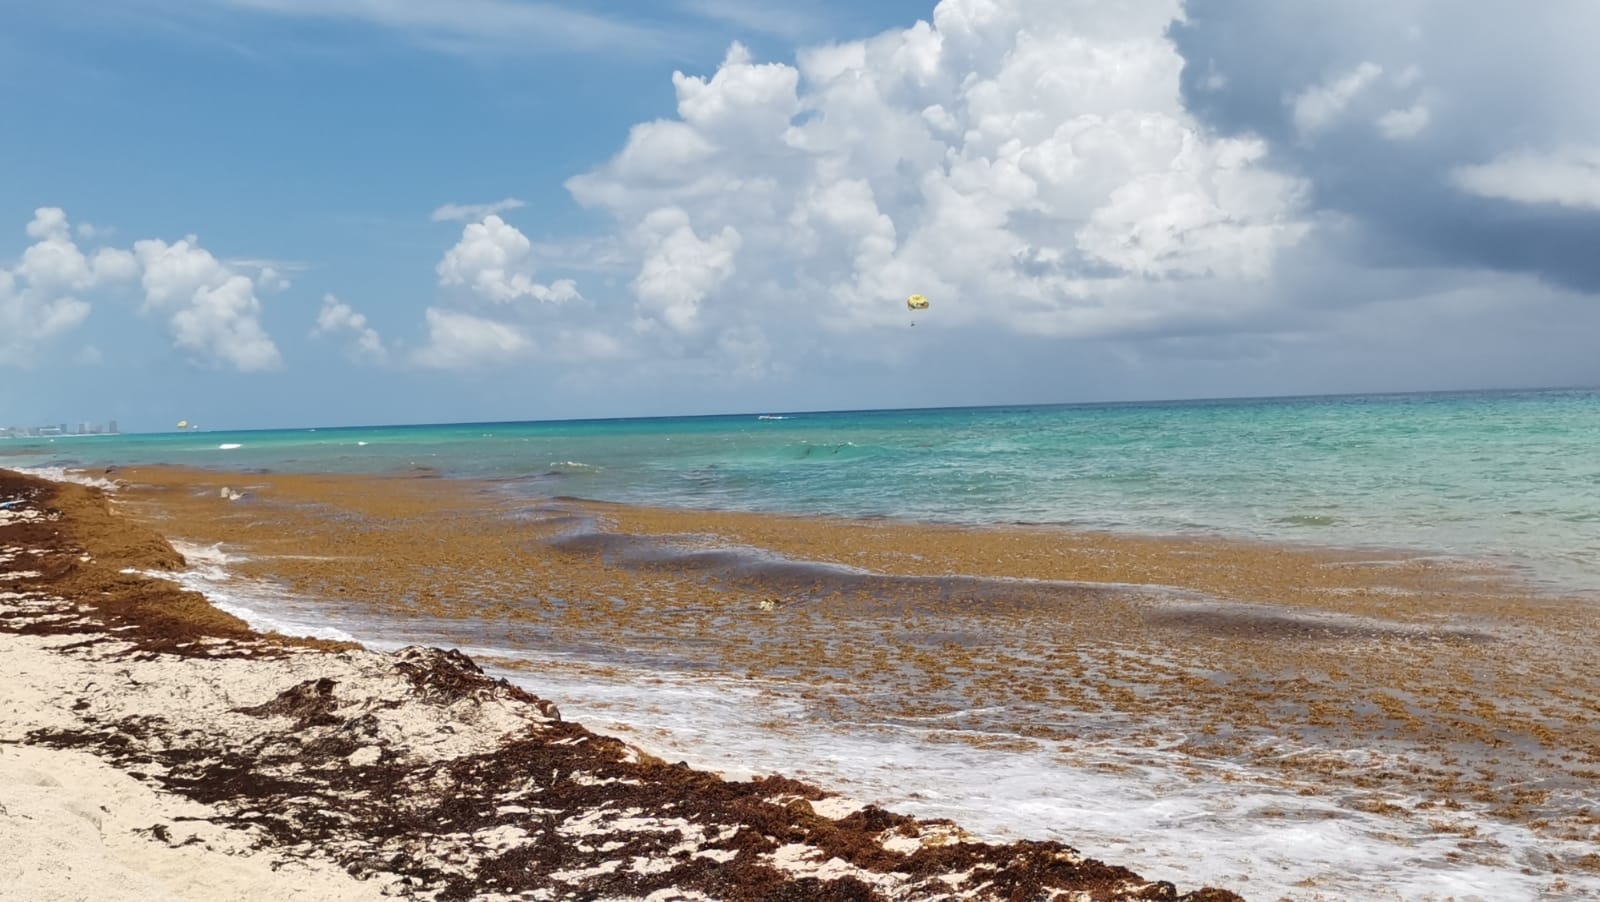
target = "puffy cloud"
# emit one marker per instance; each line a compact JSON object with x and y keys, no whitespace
{"x":1427,"y":157}
{"x":680,"y":269}
{"x":1567,"y":177}
{"x":40,"y":296}
{"x":337,"y":317}
{"x":1026,"y":163}
{"x":56,"y":262}
{"x":493,"y":260}
{"x":49,"y":222}
{"x":221,"y":320}
{"x":27,"y":319}
{"x":743,"y":97}
{"x":213,"y":310}
{"x":474,"y":212}
{"x":459,"y":340}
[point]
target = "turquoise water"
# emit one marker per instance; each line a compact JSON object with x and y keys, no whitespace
{"x":1509,"y":476}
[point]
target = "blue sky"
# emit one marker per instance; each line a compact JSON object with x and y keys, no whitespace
{"x":313,"y":212}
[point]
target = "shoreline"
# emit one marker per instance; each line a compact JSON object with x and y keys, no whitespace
{"x":1264,"y":617}
{"x":274,"y":738}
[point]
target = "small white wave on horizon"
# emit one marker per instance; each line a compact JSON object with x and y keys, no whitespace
{"x":575,"y":466}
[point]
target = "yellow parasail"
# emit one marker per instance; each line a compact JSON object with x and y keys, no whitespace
{"x":183,"y":424}
{"x":916,"y":302}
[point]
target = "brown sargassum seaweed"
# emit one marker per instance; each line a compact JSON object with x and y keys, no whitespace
{"x":552,"y":811}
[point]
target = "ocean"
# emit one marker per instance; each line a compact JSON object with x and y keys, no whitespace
{"x":1511,"y":477}
{"x":1147,"y":769}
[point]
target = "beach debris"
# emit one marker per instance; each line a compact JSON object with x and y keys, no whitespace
{"x":229,"y":494}
{"x":18,"y":510}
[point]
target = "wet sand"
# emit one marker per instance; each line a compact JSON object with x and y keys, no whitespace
{"x":1415,"y":689}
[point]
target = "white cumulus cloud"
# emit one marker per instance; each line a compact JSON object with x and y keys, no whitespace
{"x":213,"y":310}
{"x":41,"y":297}
{"x":494,"y":260}
{"x":337,"y":317}
{"x":1028,"y":164}
{"x":680,"y":268}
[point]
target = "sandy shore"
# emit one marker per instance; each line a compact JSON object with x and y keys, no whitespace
{"x":152,"y":747}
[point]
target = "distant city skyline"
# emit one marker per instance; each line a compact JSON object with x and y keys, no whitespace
{"x":82,"y":427}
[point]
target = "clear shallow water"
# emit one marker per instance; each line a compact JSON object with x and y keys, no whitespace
{"x":1512,"y":476}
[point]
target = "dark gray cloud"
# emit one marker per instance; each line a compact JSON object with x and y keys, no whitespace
{"x":1386,"y":107}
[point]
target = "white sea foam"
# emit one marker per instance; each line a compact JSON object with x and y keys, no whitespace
{"x":229,"y":446}
{"x":1165,"y":814}
{"x":62,"y":474}
{"x":264,"y":606}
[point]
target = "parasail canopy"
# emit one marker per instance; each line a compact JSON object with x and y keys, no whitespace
{"x":916,"y":302}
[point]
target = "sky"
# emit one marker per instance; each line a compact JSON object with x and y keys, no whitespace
{"x":271,"y":213}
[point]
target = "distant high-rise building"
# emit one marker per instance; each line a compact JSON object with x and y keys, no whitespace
{"x":112,"y":428}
